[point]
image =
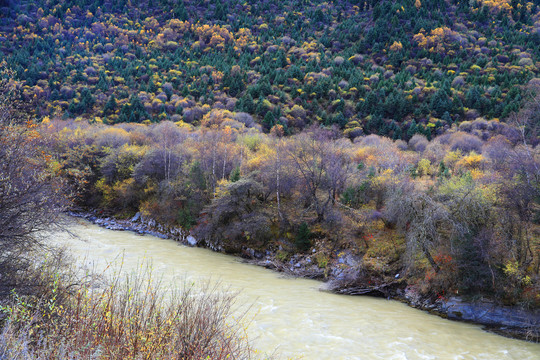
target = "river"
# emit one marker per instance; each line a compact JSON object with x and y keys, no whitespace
{"x":292,"y":315}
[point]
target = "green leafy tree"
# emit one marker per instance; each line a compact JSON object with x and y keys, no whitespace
{"x":303,"y":237}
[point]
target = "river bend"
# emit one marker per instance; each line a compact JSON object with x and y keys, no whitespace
{"x":292,"y":315}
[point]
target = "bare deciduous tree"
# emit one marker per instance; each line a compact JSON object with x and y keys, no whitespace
{"x":31,"y":197}
{"x":309,"y":155}
{"x":419,"y":216}
{"x":322,"y":167}
{"x":168,"y":138}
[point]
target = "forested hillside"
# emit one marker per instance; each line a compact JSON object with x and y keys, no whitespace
{"x":393,"y":68}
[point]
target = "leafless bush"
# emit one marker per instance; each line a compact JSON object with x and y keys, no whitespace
{"x":498,"y":149}
{"x":193,"y":114}
{"x":495,"y":126}
{"x":420,"y":215}
{"x":158,"y":164}
{"x":138,"y":133}
{"x":465,"y":142}
{"x":418,"y":143}
{"x":370,"y":140}
{"x":245,"y":119}
{"x":112,"y":137}
{"x":465,"y":126}
{"x":458,"y":81}
{"x":479,"y":124}
{"x":167,"y":134}
{"x":401,"y":145}
{"x":435,"y":151}
{"x":512,"y":134}
{"x":444,"y":138}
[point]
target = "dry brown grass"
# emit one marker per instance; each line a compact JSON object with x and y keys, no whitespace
{"x":133,"y":317}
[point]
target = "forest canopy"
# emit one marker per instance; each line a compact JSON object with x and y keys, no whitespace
{"x":394,"y":68}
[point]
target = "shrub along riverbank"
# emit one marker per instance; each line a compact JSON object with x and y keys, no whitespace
{"x":123,"y":317}
{"x":458,"y":215}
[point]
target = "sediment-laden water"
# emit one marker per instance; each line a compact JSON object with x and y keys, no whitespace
{"x":292,"y":315}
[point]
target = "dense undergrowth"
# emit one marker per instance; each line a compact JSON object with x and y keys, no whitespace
{"x":123,"y":317}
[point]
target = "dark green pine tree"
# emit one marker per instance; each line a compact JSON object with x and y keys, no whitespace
{"x":269,"y":120}
{"x":103,"y":84}
{"x":134,"y":111}
{"x":235,"y":174}
{"x":413,"y":128}
{"x":248,"y":105}
{"x":220,"y":12}
{"x":261,"y":110}
{"x":440,"y":103}
{"x":447,"y":118}
{"x":110,"y":106}
{"x":303,"y":237}
{"x":180,"y":11}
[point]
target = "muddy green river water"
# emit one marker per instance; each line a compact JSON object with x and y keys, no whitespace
{"x":291,"y":316}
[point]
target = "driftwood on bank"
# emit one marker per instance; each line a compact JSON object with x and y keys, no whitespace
{"x":384,"y":290}
{"x":312,"y":272}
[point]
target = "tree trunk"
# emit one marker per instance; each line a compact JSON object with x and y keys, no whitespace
{"x":278,"y":168}
{"x":430,"y":258}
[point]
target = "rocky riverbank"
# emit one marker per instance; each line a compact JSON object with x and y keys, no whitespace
{"x":339,"y":275}
{"x":140,"y":225}
{"x":508,"y":321}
